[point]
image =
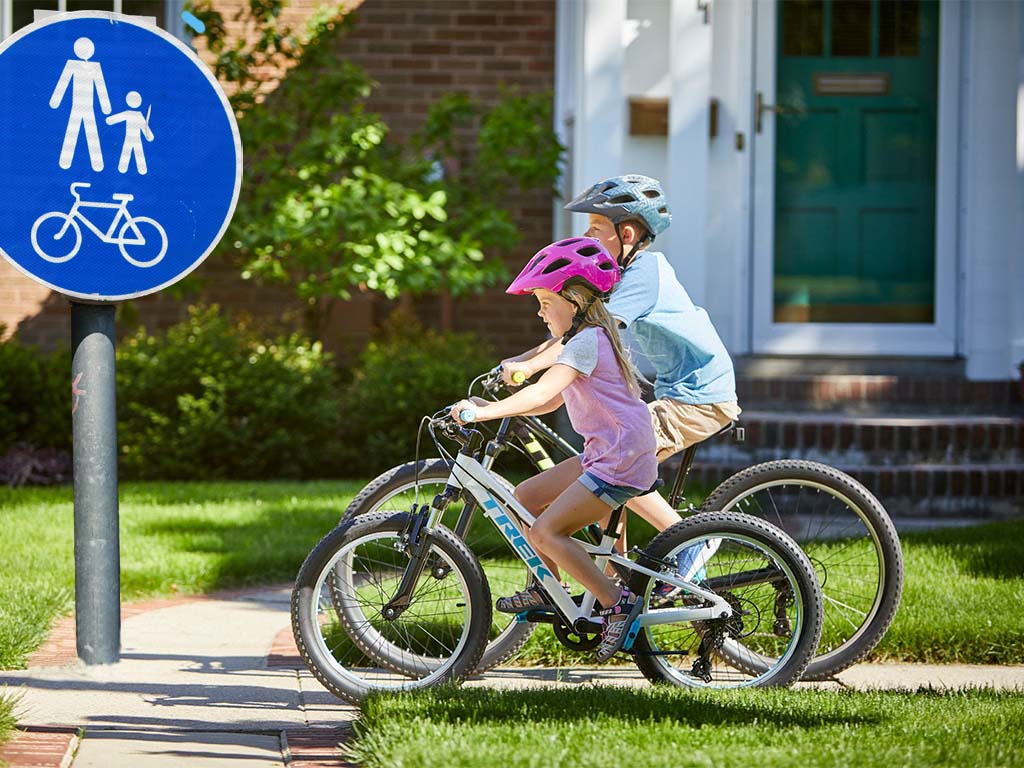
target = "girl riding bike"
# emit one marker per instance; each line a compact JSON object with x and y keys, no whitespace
{"x":595,"y":379}
{"x":694,"y":381}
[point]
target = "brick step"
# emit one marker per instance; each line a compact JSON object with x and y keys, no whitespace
{"x":868,"y":393}
{"x":872,"y":439}
{"x":984,"y":490}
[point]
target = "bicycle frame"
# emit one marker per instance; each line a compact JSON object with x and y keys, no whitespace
{"x":501,"y":507}
{"x":108,"y":237}
{"x":530,"y":431}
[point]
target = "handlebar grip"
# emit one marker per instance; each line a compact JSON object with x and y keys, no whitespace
{"x":518,"y":377}
{"x":467,"y":414}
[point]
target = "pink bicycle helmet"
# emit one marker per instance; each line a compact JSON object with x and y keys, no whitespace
{"x":578,"y":259}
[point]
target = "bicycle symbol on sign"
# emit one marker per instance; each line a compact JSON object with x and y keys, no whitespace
{"x":57,"y":236}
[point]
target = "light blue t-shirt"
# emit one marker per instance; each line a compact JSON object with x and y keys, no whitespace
{"x":690,"y":361}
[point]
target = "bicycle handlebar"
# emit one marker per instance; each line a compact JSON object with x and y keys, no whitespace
{"x":493,"y":382}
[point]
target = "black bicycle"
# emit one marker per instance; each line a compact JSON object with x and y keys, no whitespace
{"x":843,"y":528}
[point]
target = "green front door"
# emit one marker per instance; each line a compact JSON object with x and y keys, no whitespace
{"x":857,"y":99}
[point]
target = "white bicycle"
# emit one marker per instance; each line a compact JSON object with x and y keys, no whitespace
{"x":397,"y":601}
{"x":57,"y":236}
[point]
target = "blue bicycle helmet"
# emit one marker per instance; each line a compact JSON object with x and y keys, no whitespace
{"x":627,"y":197}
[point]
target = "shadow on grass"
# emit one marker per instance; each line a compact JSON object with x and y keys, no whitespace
{"x":986,"y":551}
{"x":650,"y":705}
{"x":265,"y":548}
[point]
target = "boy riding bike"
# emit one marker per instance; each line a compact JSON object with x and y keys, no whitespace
{"x":592,"y":375}
{"x":694,"y":386}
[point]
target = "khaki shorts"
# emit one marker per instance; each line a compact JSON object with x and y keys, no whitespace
{"x":678,"y":425}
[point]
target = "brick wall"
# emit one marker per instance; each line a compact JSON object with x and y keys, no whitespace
{"x":417,"y":52}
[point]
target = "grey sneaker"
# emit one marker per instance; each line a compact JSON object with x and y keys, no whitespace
{"x":617,"y":621}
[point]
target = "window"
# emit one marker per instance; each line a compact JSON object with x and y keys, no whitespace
{"x":851,"y":28}
{"x":899,"y":28}
{"x":802,"y":28}
{"x":15,"y":14}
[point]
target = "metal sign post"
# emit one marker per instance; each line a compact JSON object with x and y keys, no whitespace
{"x":97,"y":550}
{"x":121,"y":168}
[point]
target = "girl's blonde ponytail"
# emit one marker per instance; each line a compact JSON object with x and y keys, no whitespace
{"x":597,"y":314}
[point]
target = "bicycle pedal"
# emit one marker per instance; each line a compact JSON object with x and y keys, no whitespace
{"x":535,"y":616}
{"x":634,"y":630}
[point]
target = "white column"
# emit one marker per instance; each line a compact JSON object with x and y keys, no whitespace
{"x":1017,"y":257}
{"x":992,"y":244}
{"x":687,"y":177}
{"x":728,"y":295}
{"x":6,"y":18}
{"x":568,"y":65}
{"x":599,"y":128}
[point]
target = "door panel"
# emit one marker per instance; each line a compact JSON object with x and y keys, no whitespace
{"x":846,"y":182}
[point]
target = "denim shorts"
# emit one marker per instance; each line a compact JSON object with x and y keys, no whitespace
{"x":612,"y":495}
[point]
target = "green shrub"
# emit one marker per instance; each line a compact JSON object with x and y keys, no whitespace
{"x":35,"y":396}
{"x":410,"y":372}
{"x":212,"y":399}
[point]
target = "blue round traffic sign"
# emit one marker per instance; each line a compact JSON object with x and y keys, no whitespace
{"x":122,"y":161}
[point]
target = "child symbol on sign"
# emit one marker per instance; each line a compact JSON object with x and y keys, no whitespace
{"x":136,"y":125}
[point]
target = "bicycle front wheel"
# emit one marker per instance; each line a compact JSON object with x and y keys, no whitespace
{"x":849,"y":538}
{"x":400,"y":487}
{"x":339,"y":602}
{"x":765,"y":578}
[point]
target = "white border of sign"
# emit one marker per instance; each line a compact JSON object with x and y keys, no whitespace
{"x":133,"y":20}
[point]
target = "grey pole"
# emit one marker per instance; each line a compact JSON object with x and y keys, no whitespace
{"x":97,"y":541}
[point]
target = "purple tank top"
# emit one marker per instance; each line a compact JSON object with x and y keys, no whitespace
{"x":619,"y":443}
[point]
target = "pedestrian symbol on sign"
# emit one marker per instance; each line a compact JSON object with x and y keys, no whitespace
{"x":87,"y":84}
{"x":84,"y":76}
{"x":135,"y":127}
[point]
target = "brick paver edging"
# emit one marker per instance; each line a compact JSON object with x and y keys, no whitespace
{"x":40,"y":748}
{"x":56,"y":747}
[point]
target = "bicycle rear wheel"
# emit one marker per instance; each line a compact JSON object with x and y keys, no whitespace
{"x":338,"y":610}
{"x":849,"y":539}
{"x":400,"y":487}
{"x":766,"y":579}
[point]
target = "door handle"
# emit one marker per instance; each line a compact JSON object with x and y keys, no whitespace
{"x":762,"y":108}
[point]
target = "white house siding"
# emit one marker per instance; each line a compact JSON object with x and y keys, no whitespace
{"x":992,"y":204}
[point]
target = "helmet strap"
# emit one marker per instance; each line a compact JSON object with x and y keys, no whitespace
{"x":578,"y":319}
{"x":625,"y":259}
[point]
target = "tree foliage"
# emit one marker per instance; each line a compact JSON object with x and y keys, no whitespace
{"x":332,"y":204}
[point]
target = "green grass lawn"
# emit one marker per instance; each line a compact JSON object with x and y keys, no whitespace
{"x":963,"y":597}
{"x":175,"y":538}
{"x":672,"y":727}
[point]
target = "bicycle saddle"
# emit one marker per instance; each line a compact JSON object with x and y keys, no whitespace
{"x":123,"y":196}
{"x":740,"y":435}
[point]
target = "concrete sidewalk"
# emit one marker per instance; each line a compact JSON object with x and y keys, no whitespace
{"x":216,"y":681}
{"x":200,"y":682}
